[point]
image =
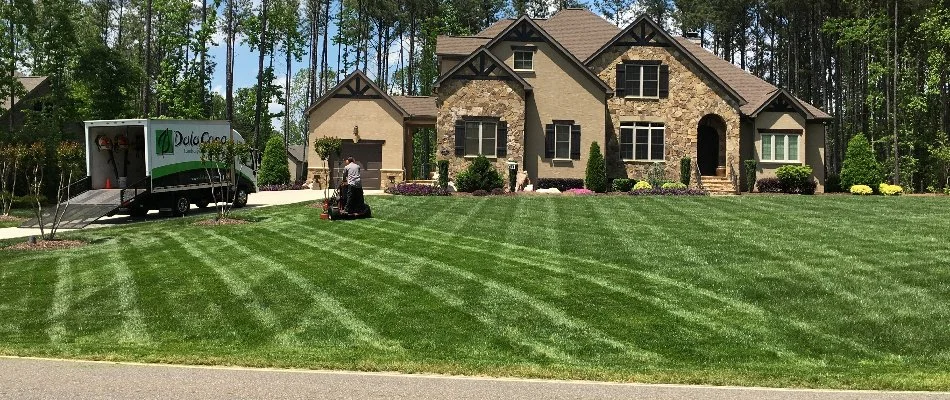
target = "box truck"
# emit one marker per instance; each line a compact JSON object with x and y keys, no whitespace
{"x":137,"y":165}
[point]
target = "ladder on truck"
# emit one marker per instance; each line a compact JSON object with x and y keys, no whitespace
{"x":89,"y":205}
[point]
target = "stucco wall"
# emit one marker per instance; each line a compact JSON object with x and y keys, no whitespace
{"x":691,"y":97}
{"x":561,"y":92}
{"x":377,"y":120}
{"x":811,"y":149}
{"x":459,"y":98}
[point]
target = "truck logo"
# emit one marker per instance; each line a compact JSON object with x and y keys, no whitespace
{"x":164,"y":143}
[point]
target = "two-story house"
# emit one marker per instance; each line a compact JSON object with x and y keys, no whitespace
{"x":539,"y":92}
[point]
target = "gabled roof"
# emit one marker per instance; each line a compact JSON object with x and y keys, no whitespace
{"x":482,"y":63}
{"x":357,"y":86}
{"x":651,"y":32}
{"x":757,"y":92}
{"x":297,"y":152}
{"x":30,"y":83}
{"x":532,"y":24}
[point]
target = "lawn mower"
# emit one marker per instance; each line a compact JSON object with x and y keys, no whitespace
{"x":334,"y":206}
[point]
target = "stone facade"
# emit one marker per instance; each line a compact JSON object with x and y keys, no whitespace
{"x":692,"y":96}
{"x":459,"y":98}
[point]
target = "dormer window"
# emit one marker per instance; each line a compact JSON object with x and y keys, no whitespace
{"x":524,"y":60}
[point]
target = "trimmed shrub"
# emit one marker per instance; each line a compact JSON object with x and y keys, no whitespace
{"x":656,"y":176}
{"x":416,"y":189}
{"x":480,"y":175}
{"x":809,"y":188}
{"x":793,"y":177}
{"x":769,"y":185}
{"x":860,"y":167}
{"x":596,"y":176}
{"x":669,"y":192}
{"x":686,"y":170}
{"x":274,"y":168}
{"x":674,"y":185}
{"x":562,"y":184}
{"x":623,"y":185}
{"x":498,"y":192}
{"x":751,"y":169}
{"x":444,"y":174}
{"x":480,"y":193}
{"x":833,"y":184}
{"x":890,"y":190}
{"x":642,"y":185}
{"x":863,"y":190}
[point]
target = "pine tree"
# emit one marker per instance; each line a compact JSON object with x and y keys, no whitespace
{"x":860,"y":167}
{"x":596,"y":179}
{"x":274,"y":168}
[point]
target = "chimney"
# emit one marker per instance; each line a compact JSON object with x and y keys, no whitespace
{"x":694,"y":37}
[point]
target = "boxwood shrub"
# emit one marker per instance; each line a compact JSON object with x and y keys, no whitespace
{"x":480,"y":175}
{"x":623,"y":185}
{"x":793,"y":178}
{"x":562,"y":184}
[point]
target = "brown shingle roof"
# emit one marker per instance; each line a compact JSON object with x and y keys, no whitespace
{"x":753,"y":89}
{"x":418,"y":106}
{"x":458,"y":45}
{"x":580,"y":31}
{"x":30,"y":83}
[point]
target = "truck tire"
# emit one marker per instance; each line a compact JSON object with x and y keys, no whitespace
{"x":202,"y":204}
{"x":138,"y":212}
{"x":181,"y":206}
{"x":240,"y":198}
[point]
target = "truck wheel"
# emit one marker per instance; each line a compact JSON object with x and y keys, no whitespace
{"x":138,"y":212}
{"x":240,"y":200}
{"x":181,"y":207}
{"x":202,"y":203}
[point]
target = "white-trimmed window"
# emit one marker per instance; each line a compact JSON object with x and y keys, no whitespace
{"x":642,"y":80}
{"x":524,"y":60}
{"x":780,"y":147}
{"x":481,"y":138}
{"x":562,"y":141}
{"x":643,"y":141}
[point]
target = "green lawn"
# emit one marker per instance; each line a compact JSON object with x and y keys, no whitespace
{"x":21,"y":213}
{"x":825,"y":291}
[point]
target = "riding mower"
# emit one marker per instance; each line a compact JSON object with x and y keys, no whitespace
{"x":334,"y":207}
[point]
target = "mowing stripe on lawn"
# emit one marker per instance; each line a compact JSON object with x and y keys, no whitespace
{"x":374,"y":259}
{"x":239,"y":288}
{"x":350,"y":321}
{"x":649,"y":276}
{"x":134,"y":330}
{"x":62,"y":300}
{"x":552,"y":313}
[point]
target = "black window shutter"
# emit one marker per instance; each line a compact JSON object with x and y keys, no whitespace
{"x":575,"y":142}
{"x":502,"y":142}
{"x":621,"y":89}
{"x":549,"y":141}
{"x":460,"y":138}
{"x":664,"y":81}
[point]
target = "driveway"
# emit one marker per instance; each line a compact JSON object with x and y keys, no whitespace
{"x":260,"y":199}
{"x":23,"y":378}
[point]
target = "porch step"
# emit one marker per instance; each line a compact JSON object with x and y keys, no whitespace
{"x":718,"y":185}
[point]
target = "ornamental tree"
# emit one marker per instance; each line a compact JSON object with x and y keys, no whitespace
{"x":70,"y":157}
{"x":596,"y":177}
{"x":274,"y":168}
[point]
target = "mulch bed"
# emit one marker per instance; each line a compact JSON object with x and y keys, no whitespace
{"x":47,"y":245}
{"x":222,"y":221}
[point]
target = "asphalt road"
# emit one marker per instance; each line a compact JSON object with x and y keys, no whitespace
{"x":22,"y":378}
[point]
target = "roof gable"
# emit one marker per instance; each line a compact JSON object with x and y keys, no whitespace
{"x":644,"y":32}
{"x":482,"y":64}
{"x":782,"y":101}
{"x":525,"y":29}
{"x":357,"y":86}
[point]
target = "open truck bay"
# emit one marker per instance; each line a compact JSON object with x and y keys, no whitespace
{"x":137,"y":165}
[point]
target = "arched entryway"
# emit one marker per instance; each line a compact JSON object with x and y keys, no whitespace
{"x":711,"y":145}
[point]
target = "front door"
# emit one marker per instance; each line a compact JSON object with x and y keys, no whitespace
{"x":368,"y":155}
{"x":707,"y":150}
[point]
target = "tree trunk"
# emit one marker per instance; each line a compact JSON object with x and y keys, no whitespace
{"x":229,"y":63}
{"x":147,"y":103}
{"x":262,"y":52}
{"x":324,"y":64}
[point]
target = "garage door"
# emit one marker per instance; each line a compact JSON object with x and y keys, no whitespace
{"x":369,"y":156}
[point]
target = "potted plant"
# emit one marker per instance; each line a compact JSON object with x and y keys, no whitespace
{"x":325,"y":148}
